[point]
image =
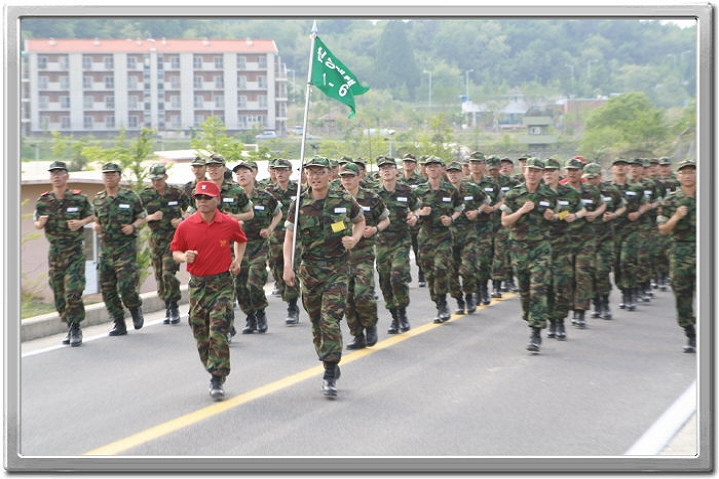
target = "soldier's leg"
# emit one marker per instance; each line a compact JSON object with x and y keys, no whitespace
{"x":220,"y":290}
{"x":334,"y":293}
{"x":56,"y":280}
{"x":74,"y":287}
{"x":108,"y":288}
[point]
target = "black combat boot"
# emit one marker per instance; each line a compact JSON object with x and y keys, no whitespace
{"x":118,"y":328}
{"x":574,"y":318}
{"x":606,"y":312}
{"x":691,"y":335}
{"x":443,"y":313}
{"x":552,"y":329}
{"x":250,"y":323}
{"x":403,"y":321}
{"x":371,"y":335}
{"x":137,"y":318}
{"x":261,"y":318}
{"x":75,"y":335}
{"x":66,"y":339}
{"x":394,"y":325}
{"x":597,"y":303}
{"x":329,"y":380}
{"x":358,"y":342}
{"x":168,"y":313}
{"x":293,"y":313}
{"x":625,"y":299}
{"x":535,"y":340}
{"x":561,"y":332}
{"x":484,"y":293}
{"x":421,"y":281}
{"x":496,"y":293}
{"x":663,"y":282}
{"x":579,"y":314}
{"x":469,"y":298}
{"x":217,"y":392}
{"x":174,"y":312}
{"x":632,"y":299}
{"x":460,"y":306}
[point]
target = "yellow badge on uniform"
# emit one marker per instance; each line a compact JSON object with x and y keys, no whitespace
{"x":337,"y":227}
{"x":562,"y":214}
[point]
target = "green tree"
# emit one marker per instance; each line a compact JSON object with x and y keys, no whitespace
{"x":395,"y":68}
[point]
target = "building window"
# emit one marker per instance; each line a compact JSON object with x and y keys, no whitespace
{"x":242,"y":101}
{"x":262,"y":82}
{"x":197,"y":82}
{"x":219,"y":101}
{"x":44,"y":122}
{"x":42,"y":63}
{"x":42,"y":83}
{"x":132,"y":83}
{"x":109,"y":82}
{"x":64,"y":102}
{"x":175,"y":62}
{"x":63,"y":62}
{"x":110,"y":121}
{"x":132,"y":102}
{"x":109,"y":63}
{"x":132,"y":121}
{"x":65,"y":122}
{"x":197,"y":62}
{"x":198,"y":101}
{"x":87,"y":81}
{"x":110,"y":102}
{"x":242,"y":82}
{"x":87,"y":122}
{"x":219,"y":82}
{"x":262,"y":61}
{"x":87,"y":62}
{"x":64,"y":82}
{"x":219,"y":62}
{"x":131,"y":63}
{"x":174,"y":121}
{"x":175,"y":82}
{"x":175,"y":101}
{"x":262,"y":101}
{"x":199,"y":120}
{"x":241,"y":62}
{"x":87,"y":102}
{"x":43,"y":101}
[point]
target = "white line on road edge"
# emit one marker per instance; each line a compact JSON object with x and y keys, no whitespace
{"x":663,"y":430}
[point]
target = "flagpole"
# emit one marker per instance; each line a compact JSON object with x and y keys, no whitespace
{"x":313,"y":34}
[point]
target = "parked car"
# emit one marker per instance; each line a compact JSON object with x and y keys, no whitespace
{"x":297,"y":130}
{"x":267,"y":134}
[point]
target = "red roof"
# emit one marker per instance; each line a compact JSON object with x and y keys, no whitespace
{"x":160,"y":45}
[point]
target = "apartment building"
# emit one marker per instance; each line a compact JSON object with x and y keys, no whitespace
{"x":100,"y":86}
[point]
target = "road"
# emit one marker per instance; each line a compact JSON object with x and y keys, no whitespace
{"x":465,"y":389}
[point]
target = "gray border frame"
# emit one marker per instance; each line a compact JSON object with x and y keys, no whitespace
{"x":703,"y":13}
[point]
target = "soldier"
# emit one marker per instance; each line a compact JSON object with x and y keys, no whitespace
{"x":393,"y":244}
{"x":361,"y":310}
{"x":199,"y":170}
{"x":284,"y":190}
{"x":63,"y":213}
{"x":441,"y":205}
{"x":202,"y":241}
{"x":250,"y":282}
{"x":329,"y":223}
{"x":501,"y":263}
{"x":661,"y":261}
{"x":527,"y":211}
{"x":678,"y":219}
{"x":413,"y":178}
{"x":119,"y":213}
{"x":465,"y":249}
{"x":166,"y":206}
{"x":604,"y":233}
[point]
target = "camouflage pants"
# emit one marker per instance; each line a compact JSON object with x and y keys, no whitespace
{"x":604,"y":260}
{"x":66,"y":277}
{"x":361,"y":309}
{"x":210,"y":297}
{"x":644,"y":268}
{"x":683,"y":271}
{"x":625,"y":260}
{"x":276,"y":262}
{"x":584,"y":272}
{"x":532,"y":262}
{"x":250,"y":283}
{"x":501,"y":264}
{"x":435,"y":259}
{"x":485,"y":248}
{"x":561,"y":292}
{"x":466,"y":259}
{"x":119,"y":281}
{"x":165,"y":269}
{"x":394,"y":273}
{"x":324,"y":293}
{"x":659,"y":255}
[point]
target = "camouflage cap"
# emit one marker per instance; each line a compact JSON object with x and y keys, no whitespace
{"x":573,"y":164}
{"x":477,"y":157}
{"x":550,"y":164}
{"x":280,"y":163}
{"x":360,"y":162}
{"x":506,"y":160}
{"x":636,"y":162}
{"x":493,"y":163}
{"x":653,"y":161}
{"x":250,"y":165}
{"x":646,"y":163}
{"x":157,"y":171}
{"x":665,"y":161}
{"x":409,"y":157}
{"x":215,"y":158}
{"x":620,"y":160}
{"x":318,"y":161}
{"x":349,"y":169}
{"x":434,"y":159}
{"x":592,"y":170}
{"x":454,"y":166}
{"x":57,"y":165}
{"x":198,"y":161}
{"x":686,"y":164}
{"x":344,"y":159}
{"x":111,"y":167}
{"x":386,"y":160}
{"x":535,"y":163}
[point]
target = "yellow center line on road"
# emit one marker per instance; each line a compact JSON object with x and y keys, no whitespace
{"x":174,"y":425}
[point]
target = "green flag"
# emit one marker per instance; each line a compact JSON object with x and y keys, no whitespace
{"x":334,"y":79}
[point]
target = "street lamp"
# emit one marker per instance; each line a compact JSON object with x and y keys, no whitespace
{"x":466,"y":83}
{"x":429,"y":90}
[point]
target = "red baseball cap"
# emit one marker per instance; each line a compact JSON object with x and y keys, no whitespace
{"x":208,"y":188}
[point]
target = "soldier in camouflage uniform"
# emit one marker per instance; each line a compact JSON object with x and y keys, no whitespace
{"x":203,"y":242}
{"x":527,"y":211}
{"x":63,"y":213}
{"x":501,"y":263}
{"x":329,"y":224}
{"x":485,"y":222}
{"x":604,"y":233}
{"x":661,"y":261}
{"x":393,"y":244}
{"x":678,"y":218}
{"x":466,"y":241}
{"x":250,"y":283}
{"x":199,"y":169}
{"x":361,"y":310}
{"x":413,"y":178}
{"x":285,"y":190}
{"x":119,"y":212}
{"x":441,"y":206}
{"x":165,"y":205}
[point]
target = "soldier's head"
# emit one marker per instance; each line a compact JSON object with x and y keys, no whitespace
{"x":282,"y":169}
{"x":158,"y":175}
{"x":58,"y":173}
{"x":207,"y":196}
{"x":687,"y":173}
{"x":409,"y":162}
{"x":111,"y":174}
{"x":387,"y":167}
{"x":216,"y":167}
{"x":317,"y":170}
{"x":199,"y":168}
{"x":246,"y":172}
{"x":592,"y":173}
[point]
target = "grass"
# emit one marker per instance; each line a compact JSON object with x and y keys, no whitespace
{"x":35,"y":308}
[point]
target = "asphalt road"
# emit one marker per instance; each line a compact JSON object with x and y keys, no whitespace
{"x":464,"y":389}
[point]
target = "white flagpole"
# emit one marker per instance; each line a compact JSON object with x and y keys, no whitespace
{"x":313,"y":34}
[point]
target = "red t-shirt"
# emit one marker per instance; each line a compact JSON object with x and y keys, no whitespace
{"x":211,"y":241}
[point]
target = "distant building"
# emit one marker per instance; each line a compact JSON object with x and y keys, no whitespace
{"x":171,"y":85}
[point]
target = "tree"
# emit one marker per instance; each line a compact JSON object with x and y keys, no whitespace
{"x":395,"y":67}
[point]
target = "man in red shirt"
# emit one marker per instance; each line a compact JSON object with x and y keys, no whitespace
{"x":203,"y":241}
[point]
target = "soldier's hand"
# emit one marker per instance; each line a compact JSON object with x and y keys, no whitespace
{"x":682,"y":211}
{"x":175,"y":221}
{"x":486,"y":208}
{"x":235,"y":268}
{"x":42,"y":221}
{"x":74,"y":225}
{"x":412,"y":219}
{"x":425,"y":211}
{"x":190,"y":255}
{"x":156,"y":216}
{"x":288,"y":276}
{"x":527,"y":207}
{"x":97,"y":227}
{"x":348,"y":242}
{"x":471,"y":214}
